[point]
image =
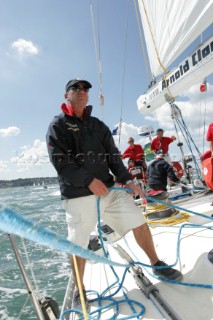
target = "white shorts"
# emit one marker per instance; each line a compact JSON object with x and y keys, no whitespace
{"x":117,"y":210}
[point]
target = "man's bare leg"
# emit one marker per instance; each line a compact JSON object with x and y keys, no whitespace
{"x":81,"y":263}
{"x":144,"y":239}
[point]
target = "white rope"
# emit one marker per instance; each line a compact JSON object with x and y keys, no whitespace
{"x":30,"y":267}
{"x":23,"y":308}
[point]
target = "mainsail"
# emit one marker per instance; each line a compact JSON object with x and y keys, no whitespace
{"x":169,"y":28}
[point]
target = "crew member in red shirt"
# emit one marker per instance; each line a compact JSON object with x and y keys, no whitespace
{"x":162,"y":143}
{"x":209,"y":137}
{"x":136,"y":153}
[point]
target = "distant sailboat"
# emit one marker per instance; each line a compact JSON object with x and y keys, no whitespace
{"x":44,"y":185}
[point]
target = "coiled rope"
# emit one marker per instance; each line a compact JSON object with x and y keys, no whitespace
{"x":175,"y":218}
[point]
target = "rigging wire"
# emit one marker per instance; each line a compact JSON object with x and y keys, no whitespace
{"x":200,"y":120}
{"x":30,"y":267}
{"x":122,"y":88}
{"x":27,"y":298}
{"x":204,"y":121}
{"x":187,"y":137}
{"x":23,"y":308}
{"x":205,"y":96}
{"x":98,"y":56}
{"x":98,"y":59}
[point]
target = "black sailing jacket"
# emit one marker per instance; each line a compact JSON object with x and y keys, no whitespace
{"x":158,"y":172}
{"x":81,"y":150}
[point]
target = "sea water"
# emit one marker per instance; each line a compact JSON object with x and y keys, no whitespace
{"x":50,"y":268}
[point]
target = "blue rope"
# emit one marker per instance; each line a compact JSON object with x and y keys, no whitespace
{"x":12,"y":222}
{"x":127,"y":300}
{"x":102,"y":296}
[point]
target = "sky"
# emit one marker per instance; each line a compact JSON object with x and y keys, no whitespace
{"x":44,"y":44}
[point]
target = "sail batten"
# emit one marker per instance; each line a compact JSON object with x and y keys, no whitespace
{"x":170,"y":26}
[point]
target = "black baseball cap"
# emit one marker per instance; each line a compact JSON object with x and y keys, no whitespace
{"x":71,"y":83}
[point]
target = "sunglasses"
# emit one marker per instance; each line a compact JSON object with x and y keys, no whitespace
{"x":78,"y":88}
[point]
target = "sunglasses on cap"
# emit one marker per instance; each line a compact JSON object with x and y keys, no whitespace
{"x":79,"y":88}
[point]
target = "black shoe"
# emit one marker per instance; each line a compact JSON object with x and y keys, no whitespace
{"x":167,"y":273}
{"x":106,"y":229}
{"x":77,"y":301}
{"x":94,"y":244}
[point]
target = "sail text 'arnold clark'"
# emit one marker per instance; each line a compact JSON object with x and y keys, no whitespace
{"x":192,"y":61}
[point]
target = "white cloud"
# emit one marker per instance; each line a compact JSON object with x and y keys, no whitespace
{"x":31,"y":156}
{"x":8,"y":132}
{"x":31,"y":161}
{"x":24,"y":47}
{"x":127,"y":130}
{"x":3,"y":166}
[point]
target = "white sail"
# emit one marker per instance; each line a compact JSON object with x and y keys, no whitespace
{"x":170,"y":26}
{"x":190,"y":71}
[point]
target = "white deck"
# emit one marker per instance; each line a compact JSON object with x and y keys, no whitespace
{"x":187,"y":302}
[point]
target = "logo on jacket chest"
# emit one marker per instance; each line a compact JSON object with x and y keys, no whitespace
{"x":73,"y":127}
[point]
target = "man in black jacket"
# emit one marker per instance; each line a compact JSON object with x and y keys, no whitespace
{"x":82,"y":150}
{"x":159,"y":171}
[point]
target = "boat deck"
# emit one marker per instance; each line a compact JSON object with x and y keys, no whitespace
{"x":188,"y":301}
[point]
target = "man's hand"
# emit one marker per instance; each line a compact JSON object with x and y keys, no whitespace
{"x":173,"y":138}
{"x":136,"y":189}
{"x":98,"y":188}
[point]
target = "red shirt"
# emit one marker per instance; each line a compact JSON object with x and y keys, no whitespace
{"x":209,"y":136}
{"x":135,"y":154}
{"x":162,"y":144}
